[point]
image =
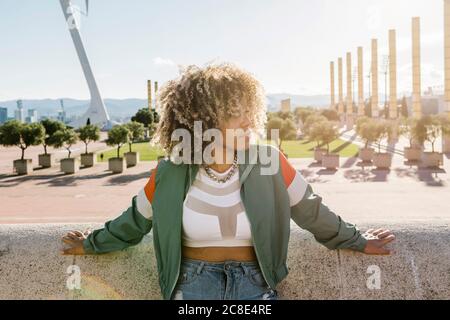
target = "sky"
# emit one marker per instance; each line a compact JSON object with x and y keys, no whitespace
{"x":286,"y":44}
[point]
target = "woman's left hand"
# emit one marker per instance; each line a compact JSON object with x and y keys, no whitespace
{"x":377,"y":239}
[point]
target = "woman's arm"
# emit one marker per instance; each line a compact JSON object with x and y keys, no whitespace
{"x":126,"y":230}
{"x":310,"y":213}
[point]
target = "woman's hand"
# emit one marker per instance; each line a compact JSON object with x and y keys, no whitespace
{"x":74,"y":240}
{"x":377,"y":239}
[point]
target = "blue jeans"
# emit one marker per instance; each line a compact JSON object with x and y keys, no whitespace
{"x":229,"y":280}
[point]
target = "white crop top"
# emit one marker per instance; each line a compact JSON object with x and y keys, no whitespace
{"x":213,"y":213}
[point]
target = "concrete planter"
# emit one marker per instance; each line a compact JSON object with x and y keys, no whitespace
{"x":318,"y":153}
{"x":132,"y":158}
{"x":431,"y":159}
{"x":88,"y":159}
{"x":70,"y":165}
{"x":24,"y":166}
{"x":116,"y":165}
{"x":330,"y":161}
{"x":413,"y":154}
{"x":382,"y":160}
{"x":366,"y":154}
{"x":46,"y":160}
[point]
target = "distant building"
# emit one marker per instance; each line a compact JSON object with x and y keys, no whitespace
{"x":286,"y":105}
{"x":19,"y":113}
{"x":62,"y":116}
{"x":3,"y":115}
{"x":32,"y":116}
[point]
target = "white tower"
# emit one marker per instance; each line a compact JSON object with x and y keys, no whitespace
{"x":97,"y":111}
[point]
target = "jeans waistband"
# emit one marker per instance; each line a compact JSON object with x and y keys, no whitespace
{"x":219,"y":266}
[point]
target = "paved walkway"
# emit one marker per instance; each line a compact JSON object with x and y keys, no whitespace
{"x":403,"y":194}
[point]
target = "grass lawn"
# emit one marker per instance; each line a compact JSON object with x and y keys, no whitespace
{"x":294,"y":149}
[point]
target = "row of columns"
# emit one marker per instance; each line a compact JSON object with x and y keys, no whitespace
{"x":348,"y":116}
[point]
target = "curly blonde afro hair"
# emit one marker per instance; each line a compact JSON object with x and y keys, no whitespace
{"x":210,"y":95}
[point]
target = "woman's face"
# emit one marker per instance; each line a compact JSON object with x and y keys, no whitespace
{"x":236,"y":132}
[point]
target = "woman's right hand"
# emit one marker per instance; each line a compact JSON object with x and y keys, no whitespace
{"x":74,"y":241}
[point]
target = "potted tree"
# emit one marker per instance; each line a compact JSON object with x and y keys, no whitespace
{"x":15,"y":133}
{"x":66,"y":138}
{"x":315,"y":134}
{"x":382,"y":160}
{"x":117,"y":137}
{"x":46,"y":159}
{"x":433,"y":132}
{"x":365,"y":128}
{"x":411,"y":130}
{"x":88,"y":133}
{"x":329,"y":134}
{"x":310,"y":130}
{"x":136,"y":133}
{"x":285,"y":129}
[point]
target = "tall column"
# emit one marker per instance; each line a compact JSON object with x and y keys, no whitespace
{"x":374,"y":98}
{"x":332,"y":93}
{"x":149,"y":94}
{"x":416,"y":95}
{"x":349,"y":103}
{"x":393,"y":106}
{"x":156,"y":94}
{"x":361,"y":105}
{"x":446,"y":139}
{"x":341,"y":91}
{"x":393,"y":113}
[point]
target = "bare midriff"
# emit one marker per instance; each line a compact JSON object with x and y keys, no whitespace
{"x":220,"y":254}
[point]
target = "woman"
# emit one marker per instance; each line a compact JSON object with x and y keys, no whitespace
{"x":221,"y":226}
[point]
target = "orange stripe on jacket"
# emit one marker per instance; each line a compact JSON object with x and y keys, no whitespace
{"x":287,"y":170}
{"x":149,"y":188}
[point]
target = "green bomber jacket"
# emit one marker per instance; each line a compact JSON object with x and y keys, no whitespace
{"x":270,"y":202}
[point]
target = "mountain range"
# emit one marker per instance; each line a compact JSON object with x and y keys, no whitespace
{"x":119,"y":109}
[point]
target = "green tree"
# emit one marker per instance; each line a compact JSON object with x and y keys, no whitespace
{"x":366,"y":128}
{"x":303,"y":113}
{"x":135,"y":132}
{"x":329,"y":133}
{"x":64,"y":138}
{"x":331,"y":115}
{"x":144,"y":116}
{"x":285,"y":129}
{"x":315,"y":133}
{"x":15,"y":133}
{"x":117,"y":137}
{"x":433,"y":125}
{"x":382,"y":130}
{"x":312,"y":119}
{"x":51,"y":126}
{"x":89,"y":133}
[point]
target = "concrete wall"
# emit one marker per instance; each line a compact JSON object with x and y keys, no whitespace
{"x":31,"y":267}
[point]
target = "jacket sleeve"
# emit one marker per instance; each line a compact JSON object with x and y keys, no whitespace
{"x":129,"y":228}
{"x":310,"y":213}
